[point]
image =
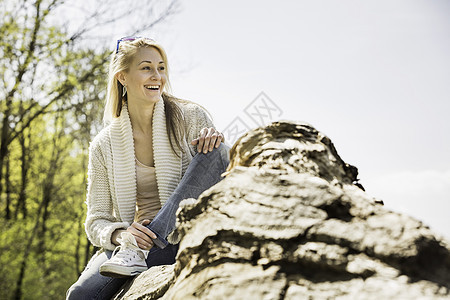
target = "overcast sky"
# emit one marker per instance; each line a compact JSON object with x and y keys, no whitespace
{"x":373,"y":75}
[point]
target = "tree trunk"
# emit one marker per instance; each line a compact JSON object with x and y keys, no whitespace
{"x":4,"y":142}
{"x":80,"y":223}
{"x":77,"y":249}
{"x":23,"y":265}
{"x":21,"y":202}
{"x":8,"y":189}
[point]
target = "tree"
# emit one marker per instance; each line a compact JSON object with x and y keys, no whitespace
{"x":53,"y":79}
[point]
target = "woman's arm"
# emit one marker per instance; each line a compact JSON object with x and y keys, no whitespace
{"x":100,"y":221}
{"x":201,"y":133}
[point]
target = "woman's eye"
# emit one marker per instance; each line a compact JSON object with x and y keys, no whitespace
{"x":146,"y":68}
{"x":162,"y":68}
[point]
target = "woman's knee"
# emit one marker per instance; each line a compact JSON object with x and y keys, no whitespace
{"x":222,"y":152}
{"x":99,"y":287}
{"x":92,"y":285}
{"x":77,"y":292}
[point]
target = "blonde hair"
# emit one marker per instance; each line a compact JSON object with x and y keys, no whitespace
{"x":120,"y":62}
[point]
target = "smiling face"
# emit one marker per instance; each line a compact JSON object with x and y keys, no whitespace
{"x":145,"y":78}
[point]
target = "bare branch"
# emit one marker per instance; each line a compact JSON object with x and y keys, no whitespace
{"x":65,"y":90}
{"x":171,"y":10}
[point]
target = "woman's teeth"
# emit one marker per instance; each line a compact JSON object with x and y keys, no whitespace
{"x":152,"y":87}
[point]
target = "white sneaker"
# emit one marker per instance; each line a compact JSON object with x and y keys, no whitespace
{"x":127,"y":260}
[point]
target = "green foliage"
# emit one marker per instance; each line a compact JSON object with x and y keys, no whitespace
{"x":52,"y":87}
{"x":57,"y":173}
{"x":51,"y":103}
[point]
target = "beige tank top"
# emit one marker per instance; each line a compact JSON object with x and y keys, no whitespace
{"x":147,"y":198}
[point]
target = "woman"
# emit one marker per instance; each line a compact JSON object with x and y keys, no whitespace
{"x":141,"y":166}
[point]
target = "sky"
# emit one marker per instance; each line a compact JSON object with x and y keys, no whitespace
{"x":372,"y":75}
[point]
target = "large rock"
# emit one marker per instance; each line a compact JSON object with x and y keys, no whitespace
{"x":291,"y":221}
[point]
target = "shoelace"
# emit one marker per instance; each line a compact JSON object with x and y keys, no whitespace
{"x":124,"y":255}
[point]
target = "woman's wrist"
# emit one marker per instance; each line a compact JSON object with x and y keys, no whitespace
{"x":115,"y":235}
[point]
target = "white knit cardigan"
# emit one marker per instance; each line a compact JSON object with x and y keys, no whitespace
{"x":111,"y":192}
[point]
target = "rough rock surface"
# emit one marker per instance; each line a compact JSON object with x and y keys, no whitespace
{"x":290,"y":221}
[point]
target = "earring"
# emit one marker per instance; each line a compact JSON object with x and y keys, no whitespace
{"x":124,"y":91}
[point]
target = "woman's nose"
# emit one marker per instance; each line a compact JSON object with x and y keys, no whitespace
{"x":156,"y":76}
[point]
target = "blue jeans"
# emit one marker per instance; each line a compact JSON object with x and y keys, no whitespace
{"x":92,"y":285}
{"x":203,"y":172}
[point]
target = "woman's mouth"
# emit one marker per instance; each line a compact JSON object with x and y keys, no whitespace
{"x":152,"y":87}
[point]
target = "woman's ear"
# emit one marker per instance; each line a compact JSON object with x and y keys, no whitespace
{"x":122,"y":78}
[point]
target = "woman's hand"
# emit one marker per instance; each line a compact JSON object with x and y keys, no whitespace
{"x":208,"y":139}
{"x":142,"y":234}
